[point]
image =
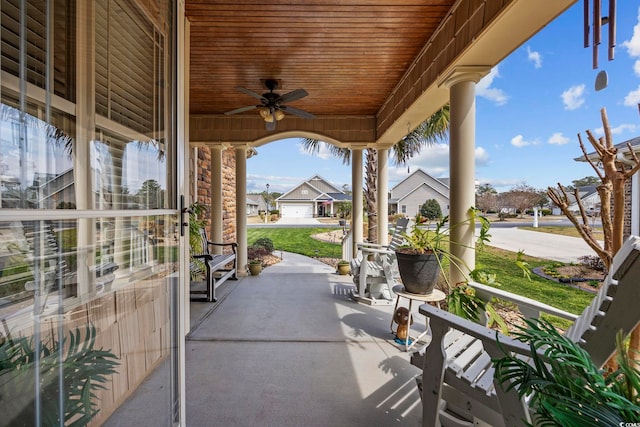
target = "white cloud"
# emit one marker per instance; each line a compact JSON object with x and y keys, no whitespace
{"x":573,"y":98}
{"x":534,"y":57}
{"x":633,"y":98}
{"x":433,"y":160}
{"x":633,"y":44}
{"x":501,"y":184}
{"x":625,"y":127}
{"x":484,"y":89}
{"x":323,"y":153}
{"x":558,"y":139}
{"x":519,"y":141}
{"x":482,"y":157}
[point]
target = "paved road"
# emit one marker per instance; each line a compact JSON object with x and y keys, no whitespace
{"x":541,"y":245}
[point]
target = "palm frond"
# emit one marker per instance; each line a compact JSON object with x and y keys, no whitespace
{"x":313,"y":146}
{"x":566,"y":387}
{"x":85,"y":370}
{"x":429,"y":132}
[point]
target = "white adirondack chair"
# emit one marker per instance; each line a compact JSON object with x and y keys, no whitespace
{"x":375,"y":269}
{"x":457,"y":384}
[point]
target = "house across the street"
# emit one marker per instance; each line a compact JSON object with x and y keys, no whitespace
{"x":315,"y":197}
{"x":410,"y":194}
{"x":255,"y":204}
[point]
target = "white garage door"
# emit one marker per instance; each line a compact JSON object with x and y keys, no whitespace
{"x":297,"y":211}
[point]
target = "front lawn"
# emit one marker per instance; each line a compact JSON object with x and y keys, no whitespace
{"x":297,"y":240}
{"x":512,"y":280}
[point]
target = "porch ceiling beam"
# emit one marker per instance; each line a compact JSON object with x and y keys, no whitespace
{"x":342,"y":130}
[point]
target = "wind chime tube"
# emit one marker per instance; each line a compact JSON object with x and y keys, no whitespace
{"x":585,"y":23}
{"x":597,"y":30}
{"x":612,"y":28}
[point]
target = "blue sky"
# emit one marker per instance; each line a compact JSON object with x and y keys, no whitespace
{"x":529,"y":110}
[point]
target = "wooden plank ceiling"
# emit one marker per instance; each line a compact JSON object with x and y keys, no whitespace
{"x":348,"y":55}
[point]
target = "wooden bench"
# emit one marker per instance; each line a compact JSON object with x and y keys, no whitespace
{"x":218,"y":267}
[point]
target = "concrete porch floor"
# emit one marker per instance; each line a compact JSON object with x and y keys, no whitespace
{"x":290,"y":348}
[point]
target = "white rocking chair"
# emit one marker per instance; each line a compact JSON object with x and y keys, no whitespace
{"x":375,"y":269}
{"x":457,"y":385}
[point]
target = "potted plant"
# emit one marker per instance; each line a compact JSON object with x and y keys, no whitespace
{"x":255,"y":267}
{"x":421,"y":258}
{"x":69,"y":371}
{"x":343,"y":267}
{"x":196,"y":210}
{"x":562,"y":383}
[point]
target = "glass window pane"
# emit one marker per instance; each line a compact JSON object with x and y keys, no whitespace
{"x":115,"y":293}
{"x":36,"y":166}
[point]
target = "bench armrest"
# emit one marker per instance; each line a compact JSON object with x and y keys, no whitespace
{"x":440,"y":321}
{"x":234,"y":245}
{"x":365,"y":245}
{"x":528,"y":307}
{"x":377,"y":251}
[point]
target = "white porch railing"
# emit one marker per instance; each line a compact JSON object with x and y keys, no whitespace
{"x":347,"y":246}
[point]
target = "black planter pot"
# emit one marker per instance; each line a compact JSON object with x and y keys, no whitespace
{"x":419,"y":272}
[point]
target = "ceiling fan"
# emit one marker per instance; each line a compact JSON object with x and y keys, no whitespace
{"x":272,"y":108}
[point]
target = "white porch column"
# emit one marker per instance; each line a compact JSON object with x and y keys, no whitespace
{"x":356,"y":197}
{"x":383,"y":197}
{"x":217,"y":225}
{"x":461,"y":83}
{"x":85,"y":133}
{"x":241,"y":209}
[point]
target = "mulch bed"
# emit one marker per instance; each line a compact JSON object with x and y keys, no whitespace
{"x":576,"y":276}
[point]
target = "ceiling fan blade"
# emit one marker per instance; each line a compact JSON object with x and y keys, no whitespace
{"x":292,"y":96}
{"x":242,"y":110}
{"x":297,"y":112}
{"x":252,"y":93}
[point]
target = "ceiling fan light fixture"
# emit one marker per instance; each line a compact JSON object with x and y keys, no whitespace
{"x":279,"y":115}
{"x":264,"y":113}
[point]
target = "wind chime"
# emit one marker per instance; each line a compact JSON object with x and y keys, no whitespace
{"x":593,"y":23}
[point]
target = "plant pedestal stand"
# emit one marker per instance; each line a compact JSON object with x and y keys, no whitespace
{"x":434,"y":297}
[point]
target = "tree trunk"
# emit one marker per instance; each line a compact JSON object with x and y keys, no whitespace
{"x":613,"y":172}
{"x":370,"y":193}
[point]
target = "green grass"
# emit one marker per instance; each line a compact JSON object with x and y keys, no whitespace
{"x":297,"y":240}
{"x":563,"y":230}
{"x":547,"y":291}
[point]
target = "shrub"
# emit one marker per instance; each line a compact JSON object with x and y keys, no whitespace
{"x":257,"y":252}
{"x":592,"y":261}
{"x":265,"y":243}
{"x":431,"y":209}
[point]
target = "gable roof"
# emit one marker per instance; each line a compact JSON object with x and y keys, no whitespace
{"x":317,"y":188}
{"x":622,"y":147}
{"x":416,"y":180}
{"x":584,"y":192}
{"x":443,"y":181}
{"x":323,"y":185}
